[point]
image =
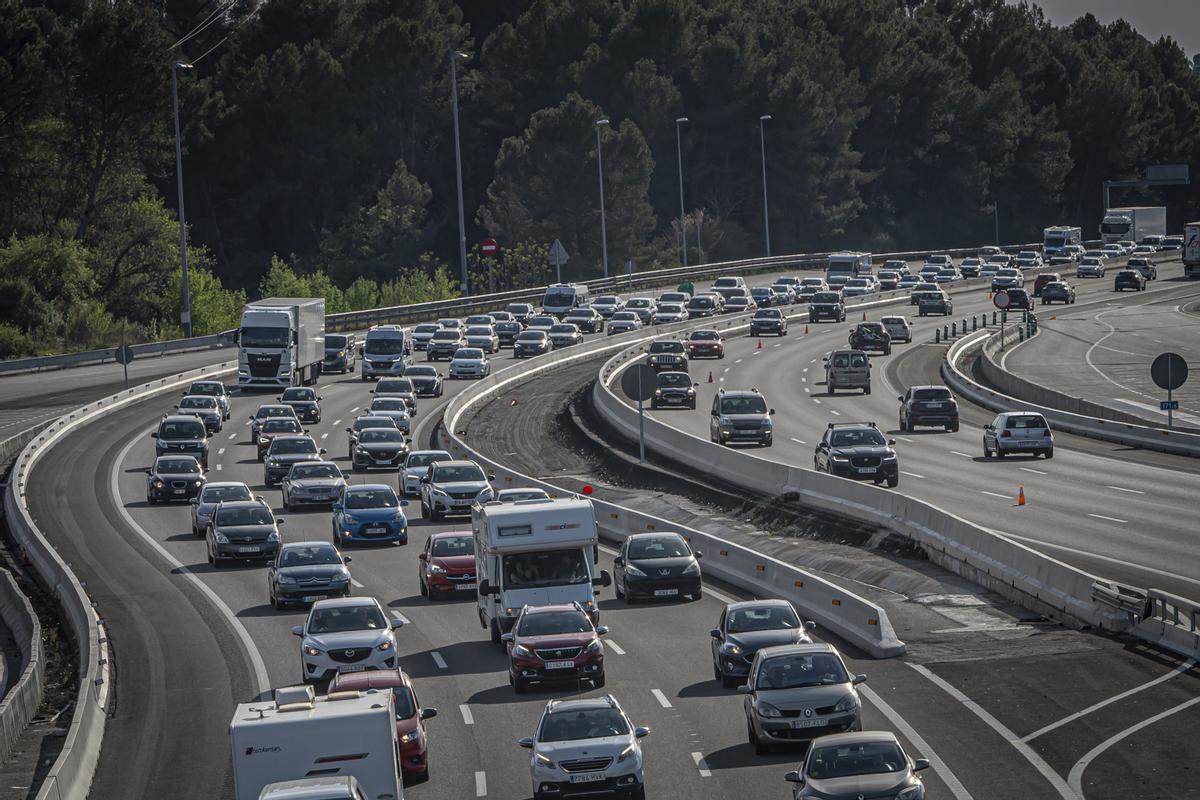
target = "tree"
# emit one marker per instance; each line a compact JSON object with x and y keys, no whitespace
{"x":214,"y":308}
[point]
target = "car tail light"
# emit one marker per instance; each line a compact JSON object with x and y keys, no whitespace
{"x":1005,"y":433}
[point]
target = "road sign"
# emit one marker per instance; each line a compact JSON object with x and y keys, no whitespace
{"x":1001,"y":300}
{"x":1168,"y":405}
{"x":639,"y":382}
{"x":1169,"y":371}
{"x":558,"y":257}
{"x":488,"y":248}
{"x":124,"y":354}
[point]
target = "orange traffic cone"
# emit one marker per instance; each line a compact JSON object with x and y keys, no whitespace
{"x":864,"y":319}
{"x":1021,"y":496}
{"x":760,"y":344}
{"x":710,"y":376}
{"x":1054,"y":316}
{"x":806,"y":330}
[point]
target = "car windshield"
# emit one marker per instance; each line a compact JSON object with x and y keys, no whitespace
{"x":371,"y":498}
{"x":266,"y":412}
{"x":861,"y":437}
{"x":243,"y":515}
{"x":666,"y":347}
{"x":701,"y":302}
{"x":334,"y":341}
{"x":214,"y":389}
{"x":639,"y":302}
{"x":669,"y":308}
{"x":625,"y":316}
{"x":532,"y":336}
{"x":480,"y":320}
{"x":586,"y":723}
{"x":844,"y":360}
{"x":425,"y":459}
{"x":468,"y":354}
{"x":722,"y":283}
{"x":518,"y":308}
{"x":406,"y":704}
{"x":264,"y":337}
{"x":801,"y":669}
{"x":1025,"y":421}
{"x":514,"y":495}
{"x":705,"y":336}
{"x":177,"y":466}
{"x":547,"y":623}
{"x":378,"y":435}
{"x":480,"y":330}
{"x":447,"y":335}
{"x":764,"y":618}
{"x":545,"y":568}
{"x":307,"y":555}
{"x":366,"y":423}
{"x":768,"y":313}
{"x":347,"y":618}
{"x":947,"y":271}
{"x":870,"y":327}
{"x":507,"y":326}
{"x":1009,"y":272}
{"x":454,"y":546}
{"x":224,"y":494}
{"x":580,"y":313}
{"x":559,"y":297}
{"x":281,"y":426}
{"x":427,"y":328}
{"x":298,"y":394}
{"x":674,"y":379}
{"x":564,"y":328}
{"x":420,"y":371}
{"x":847,"y":760}
{"x":826,"y":297}
{"x":750,"y":404}
{"x":181,"y":430}
{"x":738,"y":300}
{"x":455,"y":473}
{"x":541,"y":322}
{"x":301,"y":444}
{"x":606,"y":300}
{"x":644,"y":547}
{"x":762,"y":291}
{"x":397,"y":385}
{"x":893,"y":321}
{"x":856,"y":282}
{"x":198,"y":402}
{"x":389,"y":404}
{"x":303,"y":471}
{"x":673,"y":297}
{"x":931,"y":394}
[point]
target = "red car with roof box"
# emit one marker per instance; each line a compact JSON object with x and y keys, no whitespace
{"x":447,"y":565}
{"x":410,"y":717}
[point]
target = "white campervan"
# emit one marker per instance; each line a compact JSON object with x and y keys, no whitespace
{"x":844,"y":266}
{"x":534,"y":552}
{"x":562,"y":297}
{"x":384,"y":351}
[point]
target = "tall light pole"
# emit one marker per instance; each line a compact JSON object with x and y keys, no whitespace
{"x":186,"y":316}
{"x":600,"y":123}
{"x":462,"y":229}
{"x":682,"y":213}
{"x":762,"y":141}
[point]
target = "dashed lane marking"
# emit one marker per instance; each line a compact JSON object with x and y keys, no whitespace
{"x":995,"y":494}
{"x":815,"y":400}
{"x":912,"y":475}
{"x":221,"y":451}
{"x":401,"y":617}
{"x":1110,"y":519}
{"x":701,"y":765}
{"x":964,"y":455}
{"x":356,"y":584}
{"x":1034,"y":471}
{"x":661,"y":698}
{"x":798,"y":441}
{"x":616,"y":648}
{"x":232,"y":436}
{"x":219,"y":467}
{"x":1123,"y":489}
{"x":835,"y":413}
{"x":481,"y":784}
{"x":468,"y":719}
{"x":437,"y":659}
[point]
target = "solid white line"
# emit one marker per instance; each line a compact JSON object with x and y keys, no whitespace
{"x":256,"y":660}
{"x":661,"y":698}
{"x":964,"y":455}
{"x":616,"y":648}
{"x":900,"y":723}
{"x":912,"y":475}
{"x":1034,"y":471}
{"x":1123,"y":489}
{"x":995,"y":494}
{"x":481,"y":784}
{"x":1109,"y":559}
{"x":1075,"y":778}
{"x":701,"y":764}
{"x":468,"y":719}
{"x":798,"y":441}
{"x":1182,"y":668}
{"x":1052,"y":777}
{"x":356,"y":584}
{"x":724,"y":598}
{"x":401,"y":617}
{"x":437,"y":659}
{"x":1110,"y":519}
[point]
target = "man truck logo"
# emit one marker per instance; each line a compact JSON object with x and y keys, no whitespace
{"x":563,"y":526}
{"x":273,"y":749}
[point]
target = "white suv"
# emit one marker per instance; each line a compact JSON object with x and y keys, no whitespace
{"x":586,"y":745}
{"x":347,"y":634}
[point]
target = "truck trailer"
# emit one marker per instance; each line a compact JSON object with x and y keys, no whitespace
{"x":1191,"y":250}
{"x":1055,"y":240}
{"x":1133,"y":224}
{"x":281,"y":342}
{"x":844,"y":266}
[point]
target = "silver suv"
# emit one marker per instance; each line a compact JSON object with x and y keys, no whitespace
{"x":741,"y":416}
{"x":452,"y":487}
{"x":586,"y":746}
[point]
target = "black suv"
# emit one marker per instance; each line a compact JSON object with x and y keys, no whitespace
{"x":1129,"y":279}
{"x":871,"y":336}
{"x":857,"y":450}
{"x":826,"y":305}
{"x":181,"y":435}
{"x":668,"y":354}
{"x":928,"y":405}
{"x":768,"y":320}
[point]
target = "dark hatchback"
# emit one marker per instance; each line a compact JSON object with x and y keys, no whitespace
{"x":305,"y":572}
{"x":826,"y":305}
{"x":304,"y":401}
{"x":747,"y":627}
{"x":243,"y":531}
{"x":380,"y":448}
{"x":507,"y":332}
{"x":675,"y":390}
{"x":928,"y":405}
{"x":426,"y":380}
{"x":656,"y":565}
{"x":1058,"y":293}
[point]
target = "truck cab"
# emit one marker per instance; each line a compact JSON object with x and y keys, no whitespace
{"x":281,"y":342}
{"x":385,"y":351}
{"x":535,"y":552}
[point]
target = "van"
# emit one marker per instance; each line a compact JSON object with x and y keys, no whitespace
{"x":847,"y":369}
{"x":384,"y":351}
{"x":562,"y":297}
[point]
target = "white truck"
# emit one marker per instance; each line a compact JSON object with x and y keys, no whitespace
{"x":844,"y":266}
{"x":281,"y":342}
{"x":1133,"y":224}
{"x":535,"y":552}
{"x":562,"y":297}
{"x":1191,"y":250}
{"x":384,"y":351}
{"x":1055,"y":240}
{"x":300,"y":735}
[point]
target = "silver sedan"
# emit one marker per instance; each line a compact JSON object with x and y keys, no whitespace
{"x":848,"y":766}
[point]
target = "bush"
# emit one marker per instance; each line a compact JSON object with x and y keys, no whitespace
{"x":14,"y":343}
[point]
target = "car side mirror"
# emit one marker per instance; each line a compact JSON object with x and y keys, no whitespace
{"x":601,"y":630}
{"x":349,"y":430}
{"x":745,"y":689}
{"x":486,"y":588}
{"x":506,"y":637}
{"x":397,"y":623}
{"x":347,"y":559}
{"x":422,"y":556}
{"x":859,"y":679}
{"x":337,"y":506}
{"x":250,"y":417}
{"x":425,"y":479}
{"x":603,"y":580}
{"x":154,"y":436}
{"x":641,"y":731}
{"x":403,"y":503}
{"x":715,"y":633}
{"x":183,"y":393}
{"x":319,"y":398}
{"x":428,"y":713}
{"x":900,"y":398}
{"x":771,"y":412}
{"x":698,"y":554}
{"x":322,"y":451}
{"x":793,"y":777}
{"x":810,"y":624}
{"x":920,"y":764}
{"x":280,"y":520}
{"x":618,"y":561}
{"x":527,"y":742}
{"x":891,"y":442}
{"x":297,"y":630}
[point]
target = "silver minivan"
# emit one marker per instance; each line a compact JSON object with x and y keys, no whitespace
{"x":847,"y":369}
{"x":1018,"y":432}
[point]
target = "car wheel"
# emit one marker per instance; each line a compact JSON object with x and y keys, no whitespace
{"x":999,"y":452}
{"x":867,"y":389}
{"x":276,"y":603}
{"x":638,"y":793}
{"x":828,"y":387}
{"x":698,"y":594}
{"x":495,"y":632}
{"x":952,"y":427}
{"x":434,"y":515}
{"x":987,"y":451}
{"x":617,"y":590}
{"x":422,"y":588}
{"x":260,"y":458}
{"x":893,"y":482}
{"x":286,"y":507}
{"x":1049,"y":453}
{"x":760,"y":747}
{"x":598,"y":682}
{"x":208,"y":553}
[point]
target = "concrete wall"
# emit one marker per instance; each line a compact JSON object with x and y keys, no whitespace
{"x":24,"y":694}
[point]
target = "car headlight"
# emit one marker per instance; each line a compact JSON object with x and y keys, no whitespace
{"x":629,"y":750}
{"x":196,"y":483}
{"x":220,"y":537}
{"x":912,"y":793}
{"x":522,"y":651}
{"x":383,"y":647}
{"x":285,"y":579}
{"x":692,"y":568}
{"x":544,"y":760}
{"x":730,"y":649}
{"x":434,"y":569}
{"x":349,"y":519}
{"x":412,"y":736}
{"x":273,"y":536}
{"x":484,"y":495}
{"x":594,"y":646}
{"x":658,"y":392}
{"x":767,"y":710}
{"x":847,"y":703}
{"x":723,"y":420}
{"x":158,"y":484}
{"x":691,"y":392}
{"x":309,"y":650}
{"x":362,"y":451}
{"x":839,"y":459}
{"x":634,"y":571}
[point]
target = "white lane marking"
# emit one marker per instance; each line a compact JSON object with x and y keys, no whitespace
{"x":900,"y":723}
{"x":437,"y":659}
{"x":354,"y":409}
{"x":256,"y":660}
{"x":995,"y":494}
{"x":337,"y":422}
{"x":798,"y":441}
{"x":835,"y":413}
{"x":324,"y":435}
{"x":813,"y":361}
{"x":777,"y":345}
{"x":720,"y":380}
{"x":1182,"y":668}
{"x":738,"y":361}
{"x":247,"y":422}
{"x":401,"y":617}
{"x":661,"y":698}
{"x":815,"y":400}
{"x":804,"y":380}
{"x":1109,"y":559}
{"x":1075,"y":778}
{"x":468,"y":719}
{"x":232,"y":436}
{"x":964,"y":455}
{"x":1110,"y":519}
{"x":806,"y":389}
{"x":804,"y":370}
{"x":912,"y":475}
{"x":1056,"y":782}
{"x":221,"y":451}
{"x":481,"y":784}
{"x":1123,"y":489}
{"x":701,"y":764}
{"x":728,"y":368}
{"x":904,"y":438}
{"x":611,"y":645}
{"x":219,"y":467}
{"x":755,"y":352}
{"x":1034,"y":471}
{"x":356,"y":584}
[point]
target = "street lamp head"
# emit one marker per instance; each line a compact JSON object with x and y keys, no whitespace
{"x":764,"y":117}
{"x":681,"y":119}
{"x":182,"y":65}
{"x":601,"y":122}
{"x":461,"y":54}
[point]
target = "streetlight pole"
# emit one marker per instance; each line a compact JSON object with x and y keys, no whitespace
{"x":762,"y":141}
{"x":682,"y":212}
{"x":600,"y":123}
{"x":462,"y":230}
{"x":186,"y":316}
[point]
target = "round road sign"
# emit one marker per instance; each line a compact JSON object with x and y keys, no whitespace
{"x":1001,"y":300}
{"x":488,"y":247}
{"x":123,"y":355}
{"x":639,"y":382}
{"x":1169,"y":371}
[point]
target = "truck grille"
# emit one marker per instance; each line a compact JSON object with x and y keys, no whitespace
{"x":263,"y":365}
{"x":586,"y":764}
{"x":349,"y":655}
{"x":558,"y":653}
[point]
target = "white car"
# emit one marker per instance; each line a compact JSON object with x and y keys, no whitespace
{"x":1144,"y":250}
{"x":586,"y":741}
{"x":415,"y":466}
{"x":858,"y":287}
{"x":941,"y":260}
{"x":669,"y":312}
{"x":623,"y":321}
{"x":451,"y":324}
{"x":607,"y":304}
{"x":1113,"y":251}
{"x":469,"y":362}
{"x":947,"y":275}
{"x":355,"y":628}
{"x":1018,"y":432}
{"x":1090,"y":267}
{"x":393,"y":407}
{"x":484,"y":337}
{"x":1027,"y":259}
{"x":898,"y":328}
{"x":987,"y":251}
{"x":1127,"y":246}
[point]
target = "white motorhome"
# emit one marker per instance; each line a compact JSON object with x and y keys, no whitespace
{"x":281,"y":342}
{"x":1191,"y":250}
{"x":562,"y":297}
{"x":844,"y":266}
{"x":300,"y":735}
{"x":384,"y":351}
{"x":534,"y":552}
{"x":1055,"y":240}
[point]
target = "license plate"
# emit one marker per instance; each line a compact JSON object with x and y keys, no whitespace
{"x":936,"y":405}
{"x":463,"y":587}
{"x":247,"y":549}
{"x":352,"y":668}
{"x":310,"y":598}
{"x":665,"y":592}
{"x":179,"y":491}
{"x":808,"y":723}
{"x":559,"y":664}
{"x":376,"y":529}
{"x":460,"y":505}
{"x":866,"y":470}
{"x":590,"y":777}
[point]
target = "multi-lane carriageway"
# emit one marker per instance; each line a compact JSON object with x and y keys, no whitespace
{"x":189,"y":641}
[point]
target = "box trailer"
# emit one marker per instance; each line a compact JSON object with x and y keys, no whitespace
{"x":281,"y":342}
{"x":1133,"y":224}
{"x":1057,"y":240}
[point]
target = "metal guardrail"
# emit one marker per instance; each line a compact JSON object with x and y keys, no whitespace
{"x":21,"y":702}
{"x":1172,"y":622}
{"x":108,"y":355}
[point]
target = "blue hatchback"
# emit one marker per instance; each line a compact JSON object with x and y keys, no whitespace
{"x":369,"y":513}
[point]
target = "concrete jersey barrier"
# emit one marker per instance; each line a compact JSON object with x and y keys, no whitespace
{"x":24,"y":695}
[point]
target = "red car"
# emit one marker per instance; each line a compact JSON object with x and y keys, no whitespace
{"x":276,"y":426}
{"x":705,"y":343}
{"x":410,"y":717}
{"x":554,"y":643}
{"x":1045,"y":278}
{"x":447,"y":565}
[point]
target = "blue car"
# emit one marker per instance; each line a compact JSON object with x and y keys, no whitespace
{"x":369,"y":513}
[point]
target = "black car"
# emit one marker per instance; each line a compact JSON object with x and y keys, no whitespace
{"x":668,"y":354}
{"x":426,"y":380}
{"x":675,"y":390}
{"x":380,"y":448}
{"x":243,"y":530}
{"x":857,"y":450}
{"x":768,"y":320}
{"x":747,"y":627}
{"x":588,"y":320}
{"x":532,"y":343}
{"x":304,"y":401}
{"x":1057,"y":293}
{"x":702,"y":306}
{"x":340,"y":352}
{"x":286,"y":451}
{"x":934,"y":303}
{"x":304,"y":572}
{"x":174,"y":478}
{"x":181,"y":435}
{"x":656,"y":565}
{"x":871,"y":336}
{"x":1129,"y":279}
{"x":507,"y":332}
{"x":363,"y":423}
{"x":928,"y":405}
{"x":826,"y":305}
{"x":1019,"y":299}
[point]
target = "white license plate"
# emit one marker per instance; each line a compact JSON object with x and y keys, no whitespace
{"x":376,"y":529}
{"x":665,"y":592}
{"x":808,"y":723}
{"x":179,"y":491}
{"x":867,"y":470}
{"x":310,"y":598}
{"x":463,"y":587}
{"x":560,"y":664}
{"x":936,"y":405}
{"x":352,"y":668}
{"x":248,"y":549}
{"x":589,"y":777}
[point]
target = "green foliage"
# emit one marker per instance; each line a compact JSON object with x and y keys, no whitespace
{"x":14,"y":343}
{"x":214,"y":308}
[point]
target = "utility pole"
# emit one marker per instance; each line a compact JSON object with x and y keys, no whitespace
{"x":462,"y":230}
{"x":762,"y":141}
{"x":600,"y":123}
{"x":682,"y":212}
{"x":186,"y":316}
